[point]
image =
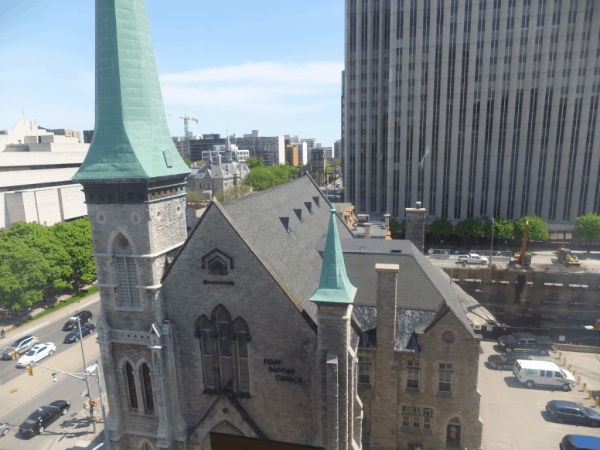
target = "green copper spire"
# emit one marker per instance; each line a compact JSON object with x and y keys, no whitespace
{"x":131,"y":138}
{"x":334,"y":287}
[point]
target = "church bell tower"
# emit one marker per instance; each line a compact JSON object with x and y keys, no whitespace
{"x":134,"y":183}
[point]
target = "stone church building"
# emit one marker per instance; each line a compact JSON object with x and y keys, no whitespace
{"x":270,"y":320}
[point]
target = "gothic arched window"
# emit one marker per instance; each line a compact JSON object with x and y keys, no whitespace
{"x":147,"y":388}
{"x":241,"y":331}
{"x":130,"y":382}
{"x":204,"y":333}
{"x":225,"y":348}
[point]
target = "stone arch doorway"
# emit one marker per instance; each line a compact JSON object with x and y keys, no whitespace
{"x":224,"y":427}
{"x":453,"y":433}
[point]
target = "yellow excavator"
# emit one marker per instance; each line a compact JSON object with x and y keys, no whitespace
{"x":523,"y":258}
{"x":565,"y":256}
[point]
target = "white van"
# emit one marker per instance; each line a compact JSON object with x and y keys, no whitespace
{"x":543,"y":373}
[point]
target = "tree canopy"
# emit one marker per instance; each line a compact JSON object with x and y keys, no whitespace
{"x":469,"y":228}
{"x":588,"y":227}
{"x":255,"y":162}
{"x":395,"y":226}
{"x":538,"y":229}
{"x":260,"y":178}
{"x":33,"y":257}
{"x":441,"y":227}
{"x":187,"y":161}
{"x":503,"y":229}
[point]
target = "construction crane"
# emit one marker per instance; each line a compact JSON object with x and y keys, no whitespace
{"x":186,"y":129}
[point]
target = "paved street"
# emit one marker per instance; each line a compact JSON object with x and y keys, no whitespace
{"x":22,"y":394}
{"x":514,"y":416}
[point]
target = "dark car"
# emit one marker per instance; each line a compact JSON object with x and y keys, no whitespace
{"x":525,"y":341}
{"x":73,"y":336}
{"x":71,"y":324}
{"x":570,"y":412}
{"x":506,"y":361}
{"x":42,"y":417}
{"x":20,"y":346}
{"x":580,"y":442}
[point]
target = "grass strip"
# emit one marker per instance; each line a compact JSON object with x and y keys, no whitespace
{"x":84,"y":293}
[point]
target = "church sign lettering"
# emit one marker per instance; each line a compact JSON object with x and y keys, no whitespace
{"x":281,"y":370}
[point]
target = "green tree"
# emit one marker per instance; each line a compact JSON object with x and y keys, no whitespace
{"x":469,"y":228}
{"x":23,"y":274}
{"x":503,"y":229}
{"x":187,"y":161}
{"x":42,"y":238}
{"x":280,"y":172}
{"x":441,"y":227}
{"x":395,"y":226}
{"x":255,"y":162}
{"x":538,"y":229}
{"x":588,"y":227}
{"x":76,"y":238}
{"x":260,"y":178}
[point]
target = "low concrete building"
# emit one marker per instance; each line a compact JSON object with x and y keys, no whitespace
{"x":36,"y":167}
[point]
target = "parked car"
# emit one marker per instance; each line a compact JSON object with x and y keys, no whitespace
{"x":543,"y":373}
{"x":525,"y":341}
{"x":42,"y":417}
{"x":85,"y":317}
{"x":580,"y":442}
{"x":505,"y":361}
{"x":73,"y":336}
{"x":473,"y":258}
{"x":3,"y":430}
{"x":20,"y":346}
{"x":37,"y":353}
{"x":571,"y":412}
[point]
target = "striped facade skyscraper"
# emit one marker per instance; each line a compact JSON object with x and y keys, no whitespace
{"x":477,"y":108}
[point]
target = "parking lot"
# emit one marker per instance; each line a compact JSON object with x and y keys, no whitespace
{"x":514,"y":417}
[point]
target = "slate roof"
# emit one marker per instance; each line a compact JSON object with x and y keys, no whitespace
{"x":407,"y":321}
{"x":292,"y":255}
{"x":421,"y":286}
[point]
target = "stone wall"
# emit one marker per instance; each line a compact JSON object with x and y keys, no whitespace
{"x":538,"y":299}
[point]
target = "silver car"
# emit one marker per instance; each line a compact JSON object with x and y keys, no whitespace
{"x":3,"y":430}
{"x":20,"y":346}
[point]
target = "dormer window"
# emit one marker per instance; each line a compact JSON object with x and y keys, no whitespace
{"x":299,"y":215}
{"x":309,"y":207}
{"x":286,"y":223}
{"x":316,"y":199}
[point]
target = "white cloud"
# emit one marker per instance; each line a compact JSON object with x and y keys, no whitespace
{"x":259,"y":87}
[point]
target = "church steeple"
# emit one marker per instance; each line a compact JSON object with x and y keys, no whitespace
{"x":334,"y":287}
{"x":131,"y":138}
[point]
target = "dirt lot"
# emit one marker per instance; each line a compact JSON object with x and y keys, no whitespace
{"x":514,"y":417}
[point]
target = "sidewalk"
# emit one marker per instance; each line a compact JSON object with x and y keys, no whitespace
{"x":13,"y":333}
{"x":9,"y":320}
{"x":77,"y":433}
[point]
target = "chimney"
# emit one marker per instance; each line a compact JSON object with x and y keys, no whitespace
{"x":367,"y":230}
{"x":386,"y":218}
{"x":219,"y":159}
{"x":415,"y":226}
{"x":383,"y":424}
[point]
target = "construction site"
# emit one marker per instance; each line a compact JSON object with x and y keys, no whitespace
{"x":543,"y":288}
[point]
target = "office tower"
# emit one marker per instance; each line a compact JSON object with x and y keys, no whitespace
{"x":477,"y":108}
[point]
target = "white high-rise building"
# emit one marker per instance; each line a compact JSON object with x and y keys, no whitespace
{"x":477,"y":108}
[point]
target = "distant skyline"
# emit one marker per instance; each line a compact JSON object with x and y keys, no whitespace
{"x":268,"y":65}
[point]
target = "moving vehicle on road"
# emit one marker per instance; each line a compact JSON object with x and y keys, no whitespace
{"x":39,"y":420}
{"x":73,"y":336}
{"x":580,"y":442}
{"x":473,"y":258}
{"x":20,"y":346}
{"x":525,"y":341}
{"x":84,"y":316}
{"x":36,"y":354}
{"x":505,"y":361}
{"x":543,"y":373}
{"x":570,"y":412}
{"x":3,"y":430}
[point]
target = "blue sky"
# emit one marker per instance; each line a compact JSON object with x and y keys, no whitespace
{"x":271,"y":65}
